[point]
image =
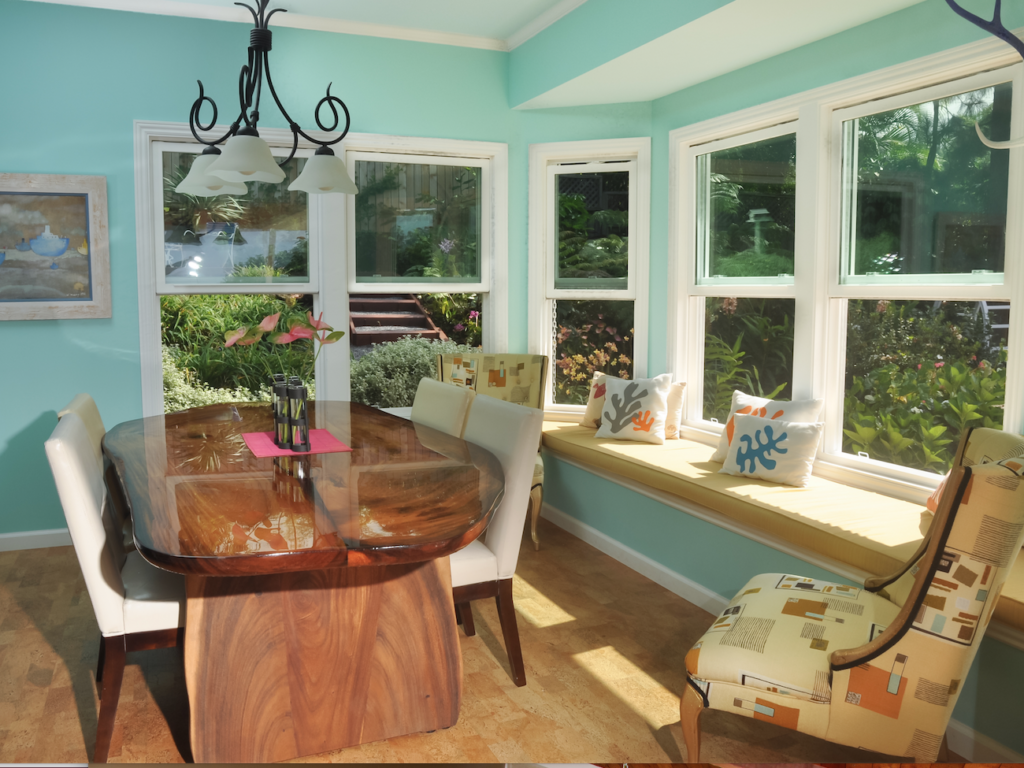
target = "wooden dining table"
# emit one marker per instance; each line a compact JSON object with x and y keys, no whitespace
{"x":319,"y":608}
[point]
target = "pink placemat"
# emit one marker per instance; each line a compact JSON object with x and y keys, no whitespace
{"x":320,"y":441}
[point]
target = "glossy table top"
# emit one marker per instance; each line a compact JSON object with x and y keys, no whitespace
{"x":202,"y":503}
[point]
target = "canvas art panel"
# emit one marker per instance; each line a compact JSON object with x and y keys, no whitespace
{"x":54,"y":249}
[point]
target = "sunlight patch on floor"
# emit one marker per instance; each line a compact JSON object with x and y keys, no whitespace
{"x":631,"y":685}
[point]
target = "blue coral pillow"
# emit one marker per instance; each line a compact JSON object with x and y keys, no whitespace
{"x":635,"y":410}
{"x":772,"y":449}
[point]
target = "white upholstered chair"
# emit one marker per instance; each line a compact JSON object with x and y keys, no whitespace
{"x":137,"y":605}
{"x":85,"y":407}
{"x":441,"y":406}
{"x":485,"y":568}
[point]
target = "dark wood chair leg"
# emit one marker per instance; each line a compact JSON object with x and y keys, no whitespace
{"x":691,"y":705}
{"x":99,"y":666}
{"x":510,"y":631}
{"x":466,"y":613}
{"x":113,"y":672}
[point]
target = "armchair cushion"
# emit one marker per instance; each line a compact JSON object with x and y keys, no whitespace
{"x":778,"y":633}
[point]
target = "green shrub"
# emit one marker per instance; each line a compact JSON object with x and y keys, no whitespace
{"x":181,"y":390}
{"x":914,"y":417}
{"x":387,"y":376}
{"x":195,"y":326}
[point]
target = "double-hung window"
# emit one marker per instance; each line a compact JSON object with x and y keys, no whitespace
{"x":743,"y":292}
{"x":211,"y":265}
{"x":858,"y":244}
{"x":588,"y":262}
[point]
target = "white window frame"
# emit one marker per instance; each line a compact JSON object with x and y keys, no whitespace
{"x":326,"y":264}
{"x":558,"y":169}
{"x":165,"y":288}
{"x":543,"y":246}
{"x":713,"y":285}
{"x":819,"y":353}
{"x":492,"y":157}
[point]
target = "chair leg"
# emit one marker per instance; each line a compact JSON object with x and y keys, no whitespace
{"x":691,"y":704}
{"x":466,"y":614}
{"x":99,"y":666}
{"x":113,"y":672}
{"x":536,"y":499}
{"x":510,"y":631}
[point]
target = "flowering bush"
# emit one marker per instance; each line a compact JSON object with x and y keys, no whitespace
{"x":457,"y":314}
{"x":195,"y":326}
{"x":585,"y":346}
{"x":298,"y":328}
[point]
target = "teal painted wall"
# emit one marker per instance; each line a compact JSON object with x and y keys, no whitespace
{"x":85,"y":75}
{"x":723,"y":562}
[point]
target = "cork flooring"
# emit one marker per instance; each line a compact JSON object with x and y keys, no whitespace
{"x":603,"y":648}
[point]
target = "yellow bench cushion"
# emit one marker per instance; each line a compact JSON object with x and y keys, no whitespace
{"x":859,"y":528}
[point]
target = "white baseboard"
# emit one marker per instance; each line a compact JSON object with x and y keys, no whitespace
{"x":55,"y":537}
{"x":976,"y":747}
{"x":690,"y":591}
{"x":963,"y":740}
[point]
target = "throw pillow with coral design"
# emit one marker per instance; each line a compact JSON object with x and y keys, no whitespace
{"x":773,"y":449}
{"x":787,"y":410}
{"x":595,"y":403}
{"x":635,"y":410}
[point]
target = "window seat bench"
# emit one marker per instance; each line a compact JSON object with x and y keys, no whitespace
{"x":851,"y":527}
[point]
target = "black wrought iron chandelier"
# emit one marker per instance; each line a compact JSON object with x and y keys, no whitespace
{"x":246,"y":157}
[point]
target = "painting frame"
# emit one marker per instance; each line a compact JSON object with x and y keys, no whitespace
{"x":95,"y":247}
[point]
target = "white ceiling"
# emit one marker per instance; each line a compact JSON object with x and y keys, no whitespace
{"x":493,"y":24}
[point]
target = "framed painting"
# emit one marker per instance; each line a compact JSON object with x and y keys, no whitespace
{"x":54,"y":247}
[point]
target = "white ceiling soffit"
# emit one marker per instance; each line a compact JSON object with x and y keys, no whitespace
{"x":496,"y":25}
{"x":729,"y":38}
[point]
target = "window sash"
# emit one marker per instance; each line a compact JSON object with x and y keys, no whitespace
{"x":164,"y":288}
{"x":385,"y":285}
{"x":556,"y":170}
{"x":701,"y":191}
{"x":843,"y":138}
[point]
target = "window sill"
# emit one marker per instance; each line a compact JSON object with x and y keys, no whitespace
{"x":854,"y":529}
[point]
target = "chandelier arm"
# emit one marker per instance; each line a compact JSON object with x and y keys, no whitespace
{"x":250,"y":9}
{"x":295,"y":146}
{"x":328,"y":99}
{"x":258,"y":81}
{"x":245,"y":92}
{"x":195,"y":123}
{"x":266,"y":21}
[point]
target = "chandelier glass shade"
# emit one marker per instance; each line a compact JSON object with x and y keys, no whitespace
{"x":323,"y":173}
{"x":246,"y":157}
{"x":200,"y":183}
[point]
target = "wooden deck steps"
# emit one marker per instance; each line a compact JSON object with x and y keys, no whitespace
{"x":375,"y":318}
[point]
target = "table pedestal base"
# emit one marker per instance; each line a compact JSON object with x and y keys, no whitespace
{"x":295,"y":664}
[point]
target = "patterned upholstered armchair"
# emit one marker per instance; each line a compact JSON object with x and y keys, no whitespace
{"x":516,"y":379}
{"x":878,"y":667}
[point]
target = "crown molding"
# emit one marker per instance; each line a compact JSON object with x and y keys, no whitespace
{"x":542,"y":22}
{"x":295,"y":21}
